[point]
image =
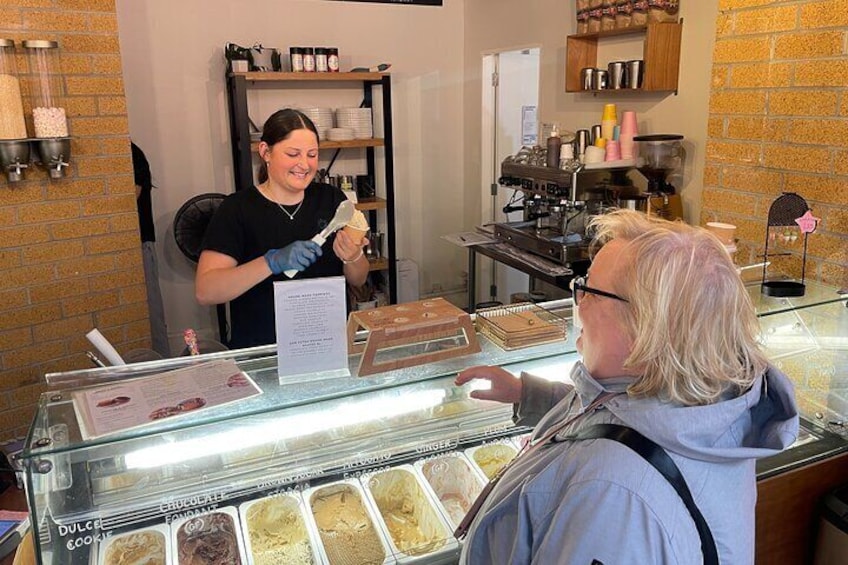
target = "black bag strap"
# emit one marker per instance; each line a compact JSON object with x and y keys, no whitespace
{"x":659,"y":459}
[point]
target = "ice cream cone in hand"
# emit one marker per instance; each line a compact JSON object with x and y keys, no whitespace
{"x":357,"y":227}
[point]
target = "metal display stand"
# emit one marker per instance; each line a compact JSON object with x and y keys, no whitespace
{"x":784,"y":212}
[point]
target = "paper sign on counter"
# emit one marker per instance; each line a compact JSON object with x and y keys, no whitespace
{"x":131,"y":403}
{"x":311,"y":322}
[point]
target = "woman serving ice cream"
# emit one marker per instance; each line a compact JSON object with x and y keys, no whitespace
{"x":259,"y":233}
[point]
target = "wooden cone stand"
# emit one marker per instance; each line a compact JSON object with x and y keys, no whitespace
{"x":409,"y":324}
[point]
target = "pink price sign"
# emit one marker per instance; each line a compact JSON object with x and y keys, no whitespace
{"x":808,"y":222}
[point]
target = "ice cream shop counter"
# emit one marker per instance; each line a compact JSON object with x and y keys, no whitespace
{"x":376,"y":469}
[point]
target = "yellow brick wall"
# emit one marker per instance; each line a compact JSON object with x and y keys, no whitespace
{"x":779,"y":123}
{"x":70,"y":248}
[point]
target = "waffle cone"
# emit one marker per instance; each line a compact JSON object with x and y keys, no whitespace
{"x":355,"y":234}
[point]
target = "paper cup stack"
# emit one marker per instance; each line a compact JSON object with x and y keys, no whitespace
{"x":626,"y":135}
{"x":726,"y":234}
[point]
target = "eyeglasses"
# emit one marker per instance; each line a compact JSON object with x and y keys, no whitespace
{"x":580,"y":289}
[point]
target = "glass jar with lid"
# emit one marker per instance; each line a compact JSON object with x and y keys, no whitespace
{"x":12,"y":123}
{"x":48,"y":113}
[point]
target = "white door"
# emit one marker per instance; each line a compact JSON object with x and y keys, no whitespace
{"x":510,"y":106}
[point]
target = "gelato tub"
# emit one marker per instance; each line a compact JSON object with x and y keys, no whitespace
{"x":275,"y":531}
{"x":454,"y":482}
{"x":346,"y":526}
{"x":149,"y":546}
{"x":414,"y":527}
{"x":209,"y":539}
{"x":492,"y":457}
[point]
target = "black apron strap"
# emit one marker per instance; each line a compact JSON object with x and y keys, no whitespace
{"x":659,"y":459}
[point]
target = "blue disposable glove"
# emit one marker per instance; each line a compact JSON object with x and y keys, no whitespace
{"x":295,"y":256}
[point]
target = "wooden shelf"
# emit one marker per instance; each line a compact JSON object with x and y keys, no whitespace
{"x":661,"y":56}
{"x":634,"y":30}
{"x":309,"y":77}
{"x":353,"y":143}
{"x":372,"y":203}
{"x":380,"y":264}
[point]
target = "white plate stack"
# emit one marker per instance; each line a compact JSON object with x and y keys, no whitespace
{"x":340,"y":134}
{"x":322,"y":118}
{"x":358,"y":119}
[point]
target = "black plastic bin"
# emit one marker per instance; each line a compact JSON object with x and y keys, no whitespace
{"x":832,"y":539}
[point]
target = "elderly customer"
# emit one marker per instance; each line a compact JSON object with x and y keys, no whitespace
{"x":669,"y":349}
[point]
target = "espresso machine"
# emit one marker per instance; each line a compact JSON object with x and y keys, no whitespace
{"x":558,"y":204}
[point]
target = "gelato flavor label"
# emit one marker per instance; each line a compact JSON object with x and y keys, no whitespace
{"x":82,"y":534}
{"x":499,"y":429}
{"x":443,"y":445}
{"x":180,"y":508}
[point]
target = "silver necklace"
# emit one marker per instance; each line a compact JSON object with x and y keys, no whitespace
{"x":290,"y":214}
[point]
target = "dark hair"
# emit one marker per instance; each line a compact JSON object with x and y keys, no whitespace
{"x":278,"y":127}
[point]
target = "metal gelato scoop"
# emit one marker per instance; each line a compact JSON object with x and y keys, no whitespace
{"x":344,"y":213}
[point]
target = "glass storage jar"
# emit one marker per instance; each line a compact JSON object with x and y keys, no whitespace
{"x":12,"y":123}
{"x":48,"y":114}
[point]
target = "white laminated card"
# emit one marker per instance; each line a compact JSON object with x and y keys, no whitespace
{"x":311,"y":322}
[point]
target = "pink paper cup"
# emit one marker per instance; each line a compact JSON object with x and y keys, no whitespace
{"x":628,"y":123}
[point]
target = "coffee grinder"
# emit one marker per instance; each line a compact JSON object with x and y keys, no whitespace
{"x":659,"y":157}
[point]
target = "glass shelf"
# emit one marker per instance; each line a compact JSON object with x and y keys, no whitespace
{"x":55,"y":407}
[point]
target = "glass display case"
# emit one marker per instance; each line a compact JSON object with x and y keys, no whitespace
{"x":375,"y":469}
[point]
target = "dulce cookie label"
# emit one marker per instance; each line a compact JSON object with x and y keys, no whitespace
{"x":624,"y":7}
{"x":640,"y":5}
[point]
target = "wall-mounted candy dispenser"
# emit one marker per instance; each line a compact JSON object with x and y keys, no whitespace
{"x":48,"y":113}
{"x":14,"y":147}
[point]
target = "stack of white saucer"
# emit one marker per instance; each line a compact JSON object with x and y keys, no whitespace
{"x":340,"y":134}
{"x":322,"y":118}
{"x":358,"y":119}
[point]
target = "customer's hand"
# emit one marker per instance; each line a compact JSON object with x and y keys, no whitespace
{"x":506,"y":387}
{"x":294,"y":256}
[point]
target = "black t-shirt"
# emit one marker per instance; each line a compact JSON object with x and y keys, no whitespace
{"x":246,"y":226}
{"x":143,"y":179}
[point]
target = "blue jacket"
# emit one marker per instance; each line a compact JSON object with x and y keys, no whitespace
{"x":573,"y":502}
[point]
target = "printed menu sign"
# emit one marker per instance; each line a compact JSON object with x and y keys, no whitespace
{"x":136,"y":402}
{"x":311,"y":323}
